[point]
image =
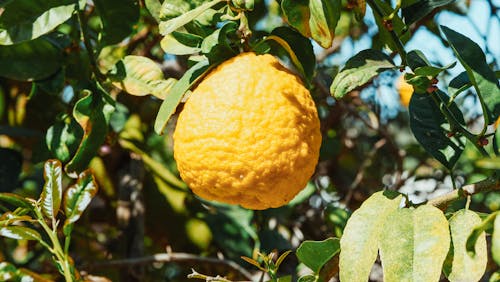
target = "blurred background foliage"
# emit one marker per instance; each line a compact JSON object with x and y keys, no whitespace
{"x":144,"y":208}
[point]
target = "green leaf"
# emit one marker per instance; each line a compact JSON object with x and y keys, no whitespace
{"x":489,"y":163}
{"x":459,"y":84}
{"x":308,"y":278}
{"x":315,"y":254}
{"x":480,"y":74}
{"x":477,"y":232}
{"x":52,"y":189}
{"x":169,"y":105}
{"x":298,"y":48}
{"x":416,"y":10}
{"x":181,"y":43}
{"x":324,"y":17}
{"x":416,"y":59}
{"x":154,"y":8}
{"x":78,"y":196}
{"x":359,"y":243}
{"x":16,"y":201}
{"x":24,"y":20}
{"x":63,"y":137}
{"x":287,"y":278}
{"x":138,"y":75}
{"x":92,"y":112}
{"x":7,"y":270}
{"x":459,"y":266}
{"x":118,"y":19}
{"x":360,"y":69}
{"x":398,"y":26}
{"x":431,"y":70}
{"x":30,"y":60}
{"x":216,"y":46}
{"x":495,"y":241}
{"x":414,"y":244}
{"x":11,"y":162}
{"x":171,"y":25}
{"x":430,"y":128}
{"x":313,"y":18}
{"x":20,"y":233}
{"x":297,"y":14}
{"x":173,"y":8}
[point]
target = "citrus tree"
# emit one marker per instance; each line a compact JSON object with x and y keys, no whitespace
{"x":248,"y":139}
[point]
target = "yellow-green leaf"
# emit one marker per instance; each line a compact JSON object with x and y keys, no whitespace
{"x":414,"y":244}
{"x":495,"y":241}
{"x":359,"y":243}
{"x":52,"y":189}
{"x":460,"y":266}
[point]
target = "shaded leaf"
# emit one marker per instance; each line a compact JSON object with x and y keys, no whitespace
{"x":20,"y":233}
{"x":52,"y":189}
{"x":359,"y":243}
{"x":138,"y":75}
{"x":10,"y":168}
{"x":431,"y":70}
{"x":181,"y":43}
{"x":92,"y":112}
{"x":414,"y":244}
{"x":30,"y":60}
{"x":63,"y":137}
{"x":416,"y":59}
{"x":430,"y":128}
{"x":216,"y":47}
{"x":24,"y":20}
{"x":360,"y":69}
{"x":459,"y":266}
{"x":171,"y":25}
{"x":118,"y":19}
{"x":459,"y":84}
{"x":419,"y":9}
{"x":480,"y":74}
{"x":298,"y":48}
{"x":308,"y":278}
{"x":315,"y":254}
{"x":399,"y":29}
{"x":176,"y":92}
{"x":78,"y":196}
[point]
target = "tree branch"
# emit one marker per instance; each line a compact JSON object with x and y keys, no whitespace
{"x":171,"y":257}
{"x":488,"y":184}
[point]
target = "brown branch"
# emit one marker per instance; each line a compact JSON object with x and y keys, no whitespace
{"x":489,"y":184}
{"x":170,"y":257}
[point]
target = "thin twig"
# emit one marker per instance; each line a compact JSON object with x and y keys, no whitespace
{"x":488,"y":184}
{"x":170,"y":257}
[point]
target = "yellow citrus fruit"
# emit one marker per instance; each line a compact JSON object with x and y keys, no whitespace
{"x":405,"y":91}
{"x":248,"y":134}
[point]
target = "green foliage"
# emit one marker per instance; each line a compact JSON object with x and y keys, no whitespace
{"x":75,"y":85}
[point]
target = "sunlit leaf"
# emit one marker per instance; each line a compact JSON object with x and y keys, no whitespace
{"x":480,"y":74}
{"x":24,"y":20}
{"x":176,"y":92}
{"x":20,"y":233}
{"x":315,"y":254}
{"x":171,"y":25}
{"x":414,"y":244}
{"x":459,"y":265}
{"x":181,"y":43}
{"x":30,"y":60}
{"x":359,"y":243}
{"x":52,"y":189}
{"x":495,"y":241}
{"x":478,"y":231}
{"x":324,"y":17}
{"x":360,"y":69}
{"x":92,"y":112}
{"x":118,"y":20}
{"x":138,"y":75}
{"x":297,"y":14}
{"x":78,"y":196}
{"x":431,"y":128}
